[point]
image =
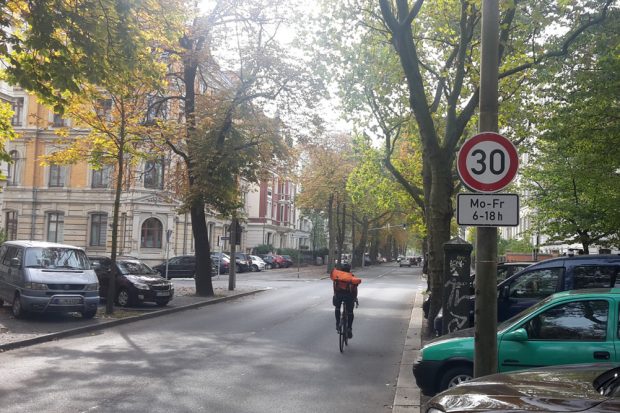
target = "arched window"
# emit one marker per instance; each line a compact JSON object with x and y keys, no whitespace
{"x":152,"y":230}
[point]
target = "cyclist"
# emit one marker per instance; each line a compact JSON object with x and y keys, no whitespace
{"x":345,"y":289}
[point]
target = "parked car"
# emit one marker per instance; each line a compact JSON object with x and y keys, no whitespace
{"x":244,"y":262}
{"x":288,"y":261}
{"x":406,"y":262}
{"x":135,"y":281}
{"x":257,"y":263}
{"x":221,"y":260}
{"x":537,"y":281}
{"x":280,"y":261}
{"x":578,"y":388}
{"x":269,"y":261}
{"x":568,"y":327}
{"x":508,"y":269}
{"x":183,"y":266}
{"x":40,"y":276}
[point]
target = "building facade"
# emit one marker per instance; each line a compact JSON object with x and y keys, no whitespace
{"x":73,"y":204}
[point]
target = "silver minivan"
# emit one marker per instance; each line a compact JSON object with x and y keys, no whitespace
{"x":38,"y":276}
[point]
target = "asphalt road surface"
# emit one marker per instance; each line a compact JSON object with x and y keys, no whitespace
{"x":276,"y":351}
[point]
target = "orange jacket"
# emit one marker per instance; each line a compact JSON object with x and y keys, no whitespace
{"x":345,"y":282}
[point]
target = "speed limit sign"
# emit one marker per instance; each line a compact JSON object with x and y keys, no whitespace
{"x":487,"y":162}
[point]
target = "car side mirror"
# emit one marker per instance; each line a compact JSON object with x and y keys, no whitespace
{"x":519,"y":335}
{"x":16,"y":262}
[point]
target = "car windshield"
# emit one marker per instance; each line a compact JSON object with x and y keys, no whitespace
{"x":56,"y":257}
{"x":134,"y":268}
{"x":507,"y":323}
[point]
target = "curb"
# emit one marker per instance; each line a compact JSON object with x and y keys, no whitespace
{"x":407,"y":397}
{"x":112,"y":323}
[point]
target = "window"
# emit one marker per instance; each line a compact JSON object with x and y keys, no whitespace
{"x":281,"y":216}
{"x":98,"y":230}
{"x":56,"y":176}
{"x":578,"y":320}
{"x":59,"y":121}
{"x":101,"y":177}
{"x":12,"y":178}
{"x":104,"y":109}
{"x":12,"y":252}
{"x":151,"y":233}
{"x":10,"y":225}
{"x":536,"y":284}
{"x":594,"y":276}
{"x":157,"y":109}
{"x":18,"y":109}
{"x":154,"y":174}
{"x":55,"y":225}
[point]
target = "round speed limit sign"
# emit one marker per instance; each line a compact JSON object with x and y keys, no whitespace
{"x":487,"y":162}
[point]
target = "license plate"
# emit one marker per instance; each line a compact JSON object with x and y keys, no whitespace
{"x":163,"y":293}
{"x":68,"y":301}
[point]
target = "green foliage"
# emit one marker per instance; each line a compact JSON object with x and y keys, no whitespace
{"x":263,"y":249}
{"x":58,"y":46}
{"x":513,"y":245}
{"x":292,"y":252}
{"x":7,"y":132}
{"x":573,"y":177}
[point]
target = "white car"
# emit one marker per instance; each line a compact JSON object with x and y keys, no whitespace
{"x":257,"y":263}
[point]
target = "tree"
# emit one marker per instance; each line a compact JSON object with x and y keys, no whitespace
{"x":323,"y":181}
{"x":378,"y":199}
{"x":115,"y":110}
{"x":50,"y":47}
{"x":573,"y":173}
{"x":437,"y":46}
{"x":225,"y":133}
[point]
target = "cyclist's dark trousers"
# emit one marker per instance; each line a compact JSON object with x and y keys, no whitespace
{"x":338,"y":298}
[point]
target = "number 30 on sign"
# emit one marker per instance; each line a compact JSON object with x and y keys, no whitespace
{"x":488,"y":162}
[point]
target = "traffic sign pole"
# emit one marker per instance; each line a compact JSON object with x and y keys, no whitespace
{"x":485,"y":350}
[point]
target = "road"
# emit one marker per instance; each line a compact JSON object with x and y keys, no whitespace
{"x":275,"y":351}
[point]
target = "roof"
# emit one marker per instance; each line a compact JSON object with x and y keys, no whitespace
{"x":588,"y":291}
{"x":40,"y":244}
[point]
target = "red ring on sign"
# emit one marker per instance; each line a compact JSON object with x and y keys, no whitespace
{"x":476,"y":185}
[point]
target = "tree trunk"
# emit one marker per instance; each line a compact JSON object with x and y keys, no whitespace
{"x":332,"y":235}
{"x":204,"y":286}
{"x":439,"y":216}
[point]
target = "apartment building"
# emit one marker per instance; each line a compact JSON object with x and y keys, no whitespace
{"x":74,"y":204}
{"x":273,"y":218}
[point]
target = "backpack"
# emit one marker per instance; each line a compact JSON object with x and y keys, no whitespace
{"x":344,"y":281}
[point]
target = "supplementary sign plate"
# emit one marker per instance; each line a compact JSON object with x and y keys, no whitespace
{"x":488,"y":210}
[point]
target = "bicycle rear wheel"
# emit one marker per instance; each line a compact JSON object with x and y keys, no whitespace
{"x":342,"y":333}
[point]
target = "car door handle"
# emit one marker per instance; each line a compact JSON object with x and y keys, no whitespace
{"x":601,"y":355}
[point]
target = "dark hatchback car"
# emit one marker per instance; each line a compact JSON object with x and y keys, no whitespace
{"x":135,"y":282}
{"x":570,"y":388}
{"x":183,"y":266}
{"x":269,"y":261}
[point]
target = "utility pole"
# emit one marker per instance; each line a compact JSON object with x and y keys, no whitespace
{"x":232,"y":268}
{"x":485,"y":354}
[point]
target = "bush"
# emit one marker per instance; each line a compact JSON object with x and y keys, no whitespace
{"x":263,"y":249}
